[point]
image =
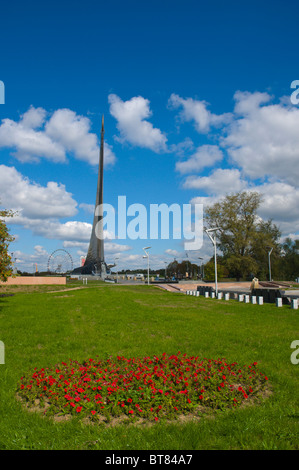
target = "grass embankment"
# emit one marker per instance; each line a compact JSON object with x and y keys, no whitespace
{"x":41,"y":329}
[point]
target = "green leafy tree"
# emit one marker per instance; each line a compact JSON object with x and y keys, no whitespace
{"x":210,"y":270}
{"x":290,"y":259}
{"x":243,"y":236}
{"x":183,"y":269}
{"x":172,"y":268}
{"x":267,"y":238}
{"x":5,"y":239}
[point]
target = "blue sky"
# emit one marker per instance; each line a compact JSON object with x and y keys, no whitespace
{"x":196,"y":99}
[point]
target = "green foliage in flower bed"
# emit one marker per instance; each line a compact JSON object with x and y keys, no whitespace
{"x":150,"y":388}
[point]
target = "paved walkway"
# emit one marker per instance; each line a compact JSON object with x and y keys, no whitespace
{"x":236,"y":287}
{"x":184,"y":286}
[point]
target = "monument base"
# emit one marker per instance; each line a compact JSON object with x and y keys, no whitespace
{"x":98,"y":272}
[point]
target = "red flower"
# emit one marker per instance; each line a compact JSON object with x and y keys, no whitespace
{"x":127,"y":377}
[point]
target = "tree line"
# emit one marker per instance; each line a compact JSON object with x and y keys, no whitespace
{"x":246,"y":243}
{"x":248,"y":246}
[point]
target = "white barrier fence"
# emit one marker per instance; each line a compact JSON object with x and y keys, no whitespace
{"x":245,"y":298}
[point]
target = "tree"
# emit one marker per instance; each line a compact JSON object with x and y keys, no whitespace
{"x":5,"y":239}
{"x":290,"y":259}
{"x":182,"y":270}
{"x":210,"y":270}
{"x":267,"y":238}
{"x":243,"y":235}
{"x":172,"y":268}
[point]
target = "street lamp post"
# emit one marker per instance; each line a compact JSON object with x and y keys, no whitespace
{"x":116,"y":270}
{"x":269,"y":254}
{"x":213,"y":240}
{"x":201,"y":271}
{"x":188,"y":266}
{"x":147,"y":256}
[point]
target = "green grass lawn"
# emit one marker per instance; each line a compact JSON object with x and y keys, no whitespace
{"x":41,"y":329}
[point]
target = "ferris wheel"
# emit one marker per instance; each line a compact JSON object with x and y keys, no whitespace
{"x":60,"y":262}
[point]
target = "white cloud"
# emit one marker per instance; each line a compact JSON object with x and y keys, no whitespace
{"x":39,"y":208}
{"x":73,"y":233}
{"x":71,"y":230}
{"x":33,"y":137}
{"x":39,"y":250}
{"x":33,"y":118}
{"x":196,"y":110}
{"x":206,"y":200}
{"x":75,"y":244}
{"x":264,"y":139}
{"x":131,"y":118}
{"x":89,"y":208}
{"x":115,"y":248}
{"x":54,"y":229}
{"x":205,"y":156}
{"x":171,"y":252}
{"x":109,"y":247}
{"x":279,"y":202}
{"x":262,"y":142}
{"x":73,"y":133}
{"x":29,"y":144}
{"x":221,"y":181}
{"x":27,"y":262}
{"x":32,"y":200}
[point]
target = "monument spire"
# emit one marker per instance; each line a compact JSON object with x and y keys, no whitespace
{"x":95,"y":260}
{"x":101,"y":193}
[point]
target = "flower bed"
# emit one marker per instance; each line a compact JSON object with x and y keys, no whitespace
{"x":150,"y":388}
